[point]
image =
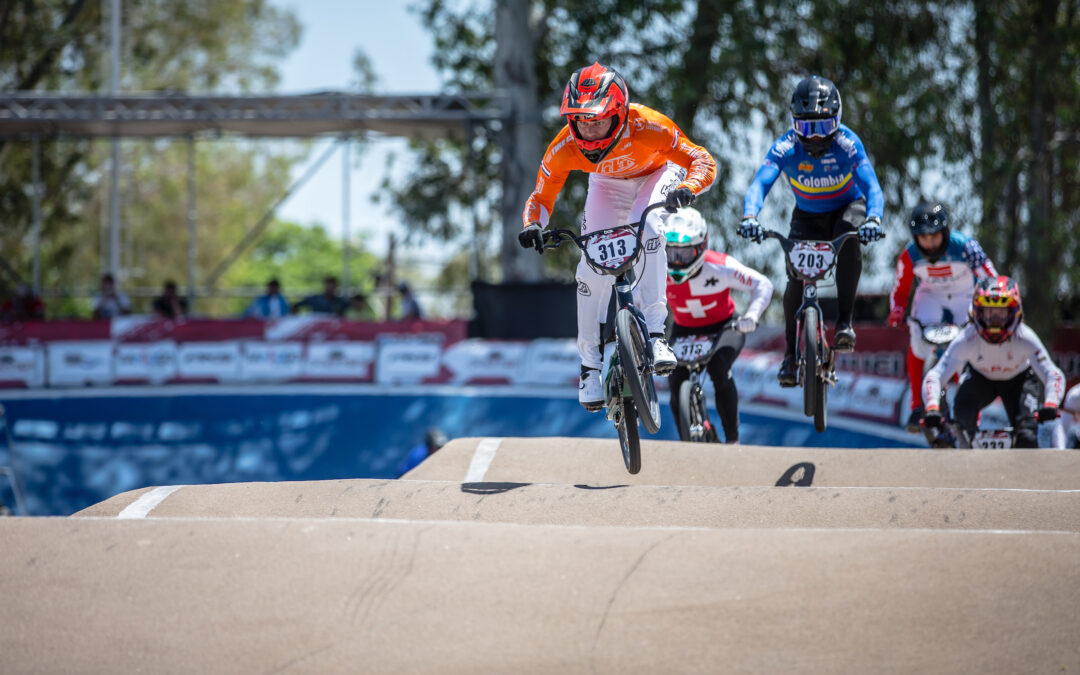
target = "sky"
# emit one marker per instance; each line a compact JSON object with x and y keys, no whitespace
{"x":400,"y":51}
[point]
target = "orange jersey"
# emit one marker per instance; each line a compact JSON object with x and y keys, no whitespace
{"x":649,"y":141}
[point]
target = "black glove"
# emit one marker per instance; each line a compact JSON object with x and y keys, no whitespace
{"x":932,"y":420}
{"x":532,"y":237}
{"x":1047,"y":414}
{"x":750,"y":228}
{"x":870,"y":231}
{"x":679,"y":197}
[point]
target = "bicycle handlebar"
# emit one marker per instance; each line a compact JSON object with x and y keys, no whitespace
{"x":787,"y":243}
{"x":555,"y":237}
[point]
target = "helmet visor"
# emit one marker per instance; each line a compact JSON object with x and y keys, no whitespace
{"x":816,"y":128}
{"x":682,"y":256}
{"x":996,"y":317}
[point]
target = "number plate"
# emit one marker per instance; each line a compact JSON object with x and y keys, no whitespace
{"x":692,"y":348}
{"x":992,"y":440}
{"x":613,"y":248}
{"x":942,"y":334}
{"x":812,"y":259}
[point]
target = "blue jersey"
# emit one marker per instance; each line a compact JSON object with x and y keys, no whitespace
{"x":827,"y":183}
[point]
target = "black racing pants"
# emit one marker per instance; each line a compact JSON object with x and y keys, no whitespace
{"x":826,"y":227}
{"x":1022,"y":396}
{"x":719,"y":369}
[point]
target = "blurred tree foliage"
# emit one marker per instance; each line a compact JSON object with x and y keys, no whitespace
{"x":972,"y":102}
{"x":199,"y":45}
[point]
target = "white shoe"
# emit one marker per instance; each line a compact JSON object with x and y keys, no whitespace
{"x":591,"y":390}
{"x":663,"y":358}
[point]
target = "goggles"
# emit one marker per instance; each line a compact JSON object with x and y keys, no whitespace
{"x":816,"y":128}
{"x":996,"y":316}
{"x":681,"y":256}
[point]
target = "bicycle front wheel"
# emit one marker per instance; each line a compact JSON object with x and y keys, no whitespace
{"x":629,"y":440}
{"x":814,"y":386}
{"x":632,"y":350}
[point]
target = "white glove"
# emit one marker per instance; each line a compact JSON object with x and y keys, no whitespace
{"x":745,"y":325}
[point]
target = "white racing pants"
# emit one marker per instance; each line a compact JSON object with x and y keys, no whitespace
{"x":612,"y":202}
{"x":929,"y":308}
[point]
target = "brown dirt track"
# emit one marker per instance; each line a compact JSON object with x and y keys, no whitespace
{"x":553,"y":559}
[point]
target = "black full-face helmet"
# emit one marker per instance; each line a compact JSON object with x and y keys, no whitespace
{"x":928,"y":218}
{"x":815,"y":114}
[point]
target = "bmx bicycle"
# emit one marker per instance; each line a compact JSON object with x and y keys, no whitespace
{"x":694,"y":352}
{"x":940,"y":335}
{"x":811,"y":261}
{"x":629,"y":391}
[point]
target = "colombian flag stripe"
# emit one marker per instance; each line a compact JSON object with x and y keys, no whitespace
{"x":828,"y":191}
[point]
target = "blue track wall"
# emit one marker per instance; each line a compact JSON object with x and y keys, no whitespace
{"x":72,"y":451}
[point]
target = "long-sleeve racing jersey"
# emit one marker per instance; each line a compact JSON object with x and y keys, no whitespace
{"x":1001,"y":361}
{"x":705,"y":298}
{"x":956,"y":272}
{"x":649,"y":142}
{"x":823,"y":184}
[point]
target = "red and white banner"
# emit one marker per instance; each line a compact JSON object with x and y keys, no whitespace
{"x":337,"y":360}
{"x":271,"y":361}
{"x":408,"y":359}
{"x":213,"y":361}
{"x":153,"y":362}
{"x":22,"y":367}
{"x":80,"y":363}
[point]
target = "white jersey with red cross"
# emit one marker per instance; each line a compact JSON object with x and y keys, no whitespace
{"x":705,"y":298}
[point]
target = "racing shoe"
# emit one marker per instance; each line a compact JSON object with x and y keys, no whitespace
{"x":788,"y":377}
{"x":914,"y":421}
{"x":663,"y":359}
{"x":844,"y":338}
{"x":591,"y":389}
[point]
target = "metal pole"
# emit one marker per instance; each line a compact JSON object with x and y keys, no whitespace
{"x":114,"y":189}
{"x":346,"y":188}
{"x":36,"y":170}
{"x":191,"y":223}
{"x":473,"y":182}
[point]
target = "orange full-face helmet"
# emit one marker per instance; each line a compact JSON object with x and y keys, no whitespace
{"x":995,"y":308}
{"x":595,"y":93}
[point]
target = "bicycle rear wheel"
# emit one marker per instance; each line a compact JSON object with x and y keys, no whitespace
{"x":629,"y":440}
{"x":632,"y":350}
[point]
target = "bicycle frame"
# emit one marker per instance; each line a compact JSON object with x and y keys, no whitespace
{"x":826,"y":367}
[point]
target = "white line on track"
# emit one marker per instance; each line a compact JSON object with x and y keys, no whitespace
{"x":481,"y":459}
{"x":147,"y":502}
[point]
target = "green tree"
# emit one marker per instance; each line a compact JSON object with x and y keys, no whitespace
{"x":975,"y":103}
{"x":299,"y":257}
{"x":50,"y":45}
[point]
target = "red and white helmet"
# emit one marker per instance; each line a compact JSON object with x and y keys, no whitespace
{"x":996,"y":310}
{"x":595,"y":93}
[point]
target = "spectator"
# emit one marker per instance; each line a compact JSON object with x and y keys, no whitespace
{"x":433,"y":440}
{"x":410,"y":308}
{"x":169,"y":305}
{"x":328,"y":302}
{"x":110,"y":302}
{"x":271,"y":305}
{"x":359,"y":308}
{"x":25,"y":305}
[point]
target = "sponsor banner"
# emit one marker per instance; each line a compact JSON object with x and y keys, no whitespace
{"x":80,"y":363}
{"x":145,"y":361}
{"x":22,"y":366}
{"x":276,"y":361}
{"x":339,"y":360}
{"x":485,"y":361}
{"x":855,"y":395}
{"x":209,"y":360}
{"x":551,"y":362}
{"x":408,"y":358}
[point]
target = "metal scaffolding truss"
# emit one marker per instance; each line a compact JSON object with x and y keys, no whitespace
{"x":28,"y":114}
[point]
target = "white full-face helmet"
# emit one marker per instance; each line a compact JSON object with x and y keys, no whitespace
{"x":687,"y":238}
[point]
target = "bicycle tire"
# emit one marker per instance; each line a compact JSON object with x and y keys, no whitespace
{"x":632,"y":350}
{"x":685,"y":420}
{"x":810,"y":360}
{"x":709,"y":434}
{"x":629,"y":439}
